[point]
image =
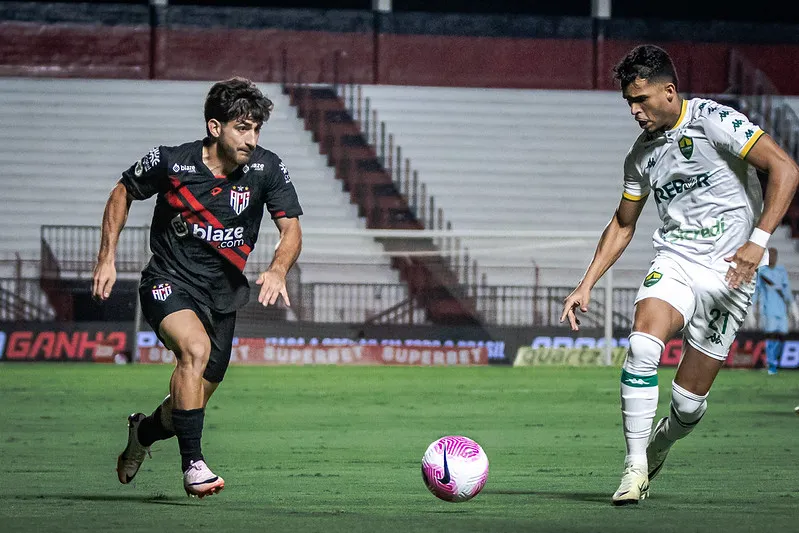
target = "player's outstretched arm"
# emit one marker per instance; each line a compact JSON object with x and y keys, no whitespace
{"x":614,"y":240}
{"x":114,"y":217}
{"x":273,"y":279}
{"x":783,"y":177}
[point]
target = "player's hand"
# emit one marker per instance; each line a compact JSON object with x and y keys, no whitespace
{"x":743,"y":264}
{"x":103,"y":279}
{"x":273,"y":284}
{"x":579,"y":298}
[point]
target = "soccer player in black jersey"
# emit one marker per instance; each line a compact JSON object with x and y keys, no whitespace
{"x":211,"y":199}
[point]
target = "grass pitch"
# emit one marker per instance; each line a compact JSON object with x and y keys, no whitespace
{"x":338,"y":450}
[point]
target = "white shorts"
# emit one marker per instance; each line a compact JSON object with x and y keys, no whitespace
{"x":712,"y":311}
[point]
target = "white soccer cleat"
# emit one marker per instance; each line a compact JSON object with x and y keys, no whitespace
{"x":634,"y":486}
{"x":132,"y":456}
{"x":656,"y":456}
{"x":199,"y":481}
{"x":796,"y":409}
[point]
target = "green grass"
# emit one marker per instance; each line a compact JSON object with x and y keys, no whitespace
{"x":338,"y":449}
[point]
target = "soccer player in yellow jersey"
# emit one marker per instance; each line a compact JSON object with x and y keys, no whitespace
{"x":693,"y":158}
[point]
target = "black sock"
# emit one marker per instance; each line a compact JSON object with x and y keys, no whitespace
{"x":188,"y":426}
{"x":152,"y":429}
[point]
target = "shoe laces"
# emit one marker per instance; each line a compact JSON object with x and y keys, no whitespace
{"x":199,"y":471}
{"x":634,"y":469}
{"x":199,"y":466}
{"x":629,"y":475}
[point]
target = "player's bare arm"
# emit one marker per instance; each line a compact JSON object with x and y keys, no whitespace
{"x":114,"y":217}
{"x":614,"y":240}
{"x":783,"y":177}
{"x":273,"y":279}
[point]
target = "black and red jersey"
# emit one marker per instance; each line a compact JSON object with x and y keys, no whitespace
{"x":205,"y":226}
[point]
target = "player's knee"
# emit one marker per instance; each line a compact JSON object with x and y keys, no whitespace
{"x":195,"y":353}
{"x":643,"y":356}
{"x":688,"y":407}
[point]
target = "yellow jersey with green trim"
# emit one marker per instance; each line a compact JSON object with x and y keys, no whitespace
{"x":707,"y":198}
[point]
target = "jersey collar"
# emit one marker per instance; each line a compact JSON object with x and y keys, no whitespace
{"x":682,"y":117}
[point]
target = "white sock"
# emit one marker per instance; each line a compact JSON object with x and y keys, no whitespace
{"x":686,"y":411}
{"x":639,"y":394}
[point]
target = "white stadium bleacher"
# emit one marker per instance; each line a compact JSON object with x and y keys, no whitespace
{"x":510,"y":160}
{"x":493,"y":159}
{"x":65,"y":142}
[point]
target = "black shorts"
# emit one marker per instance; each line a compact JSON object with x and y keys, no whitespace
{"x":162,"y":298}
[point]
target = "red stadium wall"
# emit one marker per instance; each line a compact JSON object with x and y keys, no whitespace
{"x":702,"y":67}
{"x":80,"y":51}
{"x":412,"y":49}
{"x":199,"y":54}
{"x":484,"y":62}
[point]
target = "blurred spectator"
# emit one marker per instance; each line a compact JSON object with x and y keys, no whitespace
{"x":772,"y":301}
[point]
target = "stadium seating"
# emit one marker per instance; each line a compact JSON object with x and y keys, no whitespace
{"x":65,"y":142}
{"x":493,"y":159}
{"x":511,"y":160}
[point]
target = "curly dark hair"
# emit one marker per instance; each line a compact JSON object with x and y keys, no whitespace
{"x":236,"y":98}
{"x":648,"y":62}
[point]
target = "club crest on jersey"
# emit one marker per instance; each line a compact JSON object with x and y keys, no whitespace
{"x":162,"y":291}
{"x":686,"y":145}
{"x":239,"y":198}
{"x":652,"y":278}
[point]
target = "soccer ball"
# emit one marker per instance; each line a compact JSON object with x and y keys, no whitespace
{"x":455,"y":468}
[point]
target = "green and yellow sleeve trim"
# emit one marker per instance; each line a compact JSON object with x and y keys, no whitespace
{"x":632,"y":197}
{"x":750,"y":143}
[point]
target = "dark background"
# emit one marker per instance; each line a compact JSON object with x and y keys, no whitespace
{"x":497,"y":44}
{"x":704,"y":10}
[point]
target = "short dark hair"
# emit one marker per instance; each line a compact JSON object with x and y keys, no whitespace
{"x":647,"y":62}
{"x":236,"y":98}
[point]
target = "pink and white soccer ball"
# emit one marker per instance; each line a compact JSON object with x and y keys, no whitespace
{"x":455,"y":468}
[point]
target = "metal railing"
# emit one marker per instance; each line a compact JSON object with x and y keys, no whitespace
{"x":407,"y":183}
{"x":364,"y":303}
{"x":380,"y":303}
{"x":73,"y":249}
{"x":542,"y":306}
{"x":496,"y":305}
{"x":23,"y":299}
{"x":355,"y":302}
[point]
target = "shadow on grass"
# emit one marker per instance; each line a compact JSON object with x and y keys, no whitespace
{"x":575,"y":496}
{"x":155,"y":498}
{"x":599,"y":497}
{"x":782,"y":411}
{"x":449,"y":511}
